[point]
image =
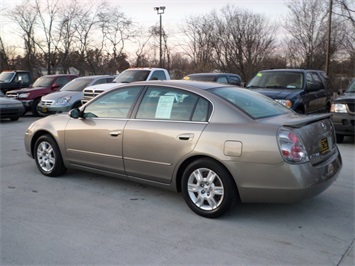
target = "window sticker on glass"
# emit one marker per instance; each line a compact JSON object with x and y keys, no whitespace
{"x":165,"y":105}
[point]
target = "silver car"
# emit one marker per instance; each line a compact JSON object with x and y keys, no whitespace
{"x":215,"y":143}
{"x":70,"y":95}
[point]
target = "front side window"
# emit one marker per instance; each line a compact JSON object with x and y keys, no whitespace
{"x":61,"y":81}
{"x":115,"y":104}
{"x":102,"y":81}
{"x":222,"y":80}
{"x":172,"y":104}
{"x":351,"y":87}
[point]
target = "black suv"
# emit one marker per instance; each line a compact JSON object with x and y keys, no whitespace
{"x":302,"y":90}
{"x":343,"y":113}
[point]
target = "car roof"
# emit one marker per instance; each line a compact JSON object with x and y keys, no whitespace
{"x":185,"y":84}
{"x":212,"y":74}
{"x":59,"y":75}
{"x":290,"y":70}
{"x":95,"y":77}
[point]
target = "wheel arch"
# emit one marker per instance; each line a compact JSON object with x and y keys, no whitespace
{"x":36,"y":136}
{"x":189,"y":160}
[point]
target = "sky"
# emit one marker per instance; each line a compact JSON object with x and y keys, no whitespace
{"x":176,"y":12}
{"x":142,"y":11}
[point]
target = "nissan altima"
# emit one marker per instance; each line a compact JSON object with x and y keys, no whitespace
{"x":217,"y":144}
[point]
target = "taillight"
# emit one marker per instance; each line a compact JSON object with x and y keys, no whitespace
{"x":291,"y":146}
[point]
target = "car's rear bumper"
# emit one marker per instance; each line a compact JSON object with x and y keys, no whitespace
{"x":344,"y":124}
{"x":285,"y":182}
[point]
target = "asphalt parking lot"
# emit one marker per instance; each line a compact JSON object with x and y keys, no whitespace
{"x":87,"y":219}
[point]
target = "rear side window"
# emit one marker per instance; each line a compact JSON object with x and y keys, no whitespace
{"x":162,"y":103}
{"x":252,"y":103}
{"x":222,"y":80}
{"x":317,"y":79}
{"x":158,"y":75}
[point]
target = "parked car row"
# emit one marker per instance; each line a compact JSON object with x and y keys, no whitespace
{"x":302,"y":90}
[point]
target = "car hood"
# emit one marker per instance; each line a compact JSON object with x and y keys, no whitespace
{"x":346,"y":98}
{"x":60,"y":94}
{"x":24,"y":90}
{"x":104,"y":86}
{"x":6,"y":100}
{"x":277,"y":93}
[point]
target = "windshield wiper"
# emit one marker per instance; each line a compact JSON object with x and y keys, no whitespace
{"x":252,"y":86}
{"x":275,"y":87}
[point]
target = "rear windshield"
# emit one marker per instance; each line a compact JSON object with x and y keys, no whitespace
{"x":252,"y":103}
{"x":277,"y":79}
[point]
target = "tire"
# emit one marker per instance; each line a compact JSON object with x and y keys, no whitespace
{"x":340,"y":138}
{"x":208,"y":188}
{"x":34,"y":107}
{"x":48,"y":158}
{"x":14,"y":118}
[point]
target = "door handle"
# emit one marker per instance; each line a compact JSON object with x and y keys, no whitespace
{"x":115,"y":133}
{"x":186,"y":136}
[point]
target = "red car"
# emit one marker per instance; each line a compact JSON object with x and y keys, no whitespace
{"x":30,"y":97}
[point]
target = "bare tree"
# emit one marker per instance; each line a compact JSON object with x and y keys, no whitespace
{"x":66,"y":33}
{"x":48,"y":11}
{"x":243,"y":41}
{"x":84,"y":25}
{"x":25,"y":16}
{"x":231,"y":40}
{"x":198,"y":46}
{"x":307,"y":25}
{"x":346,"y":11}
{"x":116,"y":30}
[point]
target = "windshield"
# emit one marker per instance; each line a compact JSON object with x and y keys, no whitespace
{"x":276,"y":80}
{"x":77,"y":84}
{"x":43,"y":82}
{"x":254,"y":104}
{"x":6,"y":76}
{"x":351,"y":88}
{"x":132,"y":75}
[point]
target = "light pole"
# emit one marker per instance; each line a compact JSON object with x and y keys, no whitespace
{"x":160,"y":11}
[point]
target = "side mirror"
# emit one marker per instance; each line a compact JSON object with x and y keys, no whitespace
{"x":55,"y":86}
{"x":75,"y":113}
{"x":19,"y":79}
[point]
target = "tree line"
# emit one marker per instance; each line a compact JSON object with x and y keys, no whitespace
{"x":98,"y":38}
